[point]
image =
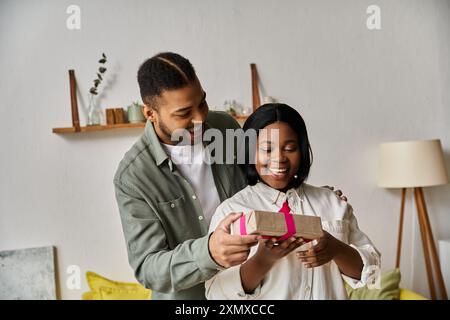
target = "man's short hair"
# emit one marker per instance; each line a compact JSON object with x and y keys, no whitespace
{"x":164,"y":71}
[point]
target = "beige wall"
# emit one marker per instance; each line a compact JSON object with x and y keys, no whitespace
{"x":354,"y":87}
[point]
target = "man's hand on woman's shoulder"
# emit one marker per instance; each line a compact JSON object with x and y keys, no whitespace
{"x":337,"y":192}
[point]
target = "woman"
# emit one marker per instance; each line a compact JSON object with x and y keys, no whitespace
{"x":290,"y":269}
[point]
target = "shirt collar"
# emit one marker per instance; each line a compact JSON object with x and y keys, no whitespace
{"x":155,"y":145}
{"x":275,"y":196}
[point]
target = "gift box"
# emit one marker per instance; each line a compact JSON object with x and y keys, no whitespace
{"x":276,"y":224}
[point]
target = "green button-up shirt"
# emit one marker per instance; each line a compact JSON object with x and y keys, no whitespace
{"x":165,"y":232}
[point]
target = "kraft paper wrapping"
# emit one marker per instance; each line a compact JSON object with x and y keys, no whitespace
{"x":267,"y":223}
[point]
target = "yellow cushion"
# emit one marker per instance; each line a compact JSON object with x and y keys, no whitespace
{"x":88,"y":296}
{"x":410,"y":295}
{"x":106,"y":289}
{"x":389,"y":289}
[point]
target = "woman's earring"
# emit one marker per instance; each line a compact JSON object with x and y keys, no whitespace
{"x":295,"y":176}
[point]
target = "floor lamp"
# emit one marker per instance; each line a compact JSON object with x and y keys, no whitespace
{"x":416,"y":164}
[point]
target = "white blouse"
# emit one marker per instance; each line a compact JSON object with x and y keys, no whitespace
{"x":289,"y":279}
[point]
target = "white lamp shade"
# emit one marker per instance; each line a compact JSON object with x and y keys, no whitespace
{"x":411,"y":164}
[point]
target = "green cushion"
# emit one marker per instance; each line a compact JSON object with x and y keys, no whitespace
{"x":389,"y":290}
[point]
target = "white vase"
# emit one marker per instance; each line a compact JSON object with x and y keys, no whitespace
{"x":94,"y":112}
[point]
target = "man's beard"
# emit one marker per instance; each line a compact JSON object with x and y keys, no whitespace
{"x":165,"y":131}
{"x":181,"y":139}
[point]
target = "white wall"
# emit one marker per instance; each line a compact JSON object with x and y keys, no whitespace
{"x":354,"y":87}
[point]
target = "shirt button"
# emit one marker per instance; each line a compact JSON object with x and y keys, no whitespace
{"x":172,"y":205}
{"x":200,"y":218}
{"x":194,"y":197}
{"x":307,"y":289}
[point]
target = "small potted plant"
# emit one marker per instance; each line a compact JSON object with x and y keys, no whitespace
{"x":230,"y":107}
{"x":94,"y":112}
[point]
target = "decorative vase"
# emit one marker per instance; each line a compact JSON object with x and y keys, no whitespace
{"x":94,"y":112}
{"x":135,"y":113}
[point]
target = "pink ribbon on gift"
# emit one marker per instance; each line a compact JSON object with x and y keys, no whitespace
{"x":288,"y":217}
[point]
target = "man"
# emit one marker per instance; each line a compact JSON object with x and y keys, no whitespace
{"x":165,"y":202}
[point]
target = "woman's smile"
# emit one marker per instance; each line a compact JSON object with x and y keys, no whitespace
{"x":278,"y":173}
{"x":278,"y":155}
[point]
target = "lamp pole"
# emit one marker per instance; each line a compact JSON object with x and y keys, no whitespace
{"x":429,"y":244}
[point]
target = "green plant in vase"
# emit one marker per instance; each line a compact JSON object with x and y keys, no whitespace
{"x":230,"y":107}
{"x":95,"y":112}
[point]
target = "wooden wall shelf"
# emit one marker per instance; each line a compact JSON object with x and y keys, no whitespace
{"x":99,"y":128}
{"x":76,"y":128}
{"x":239,"y":119}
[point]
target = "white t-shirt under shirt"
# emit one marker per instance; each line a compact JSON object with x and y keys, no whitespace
{"x":191,"y":161}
